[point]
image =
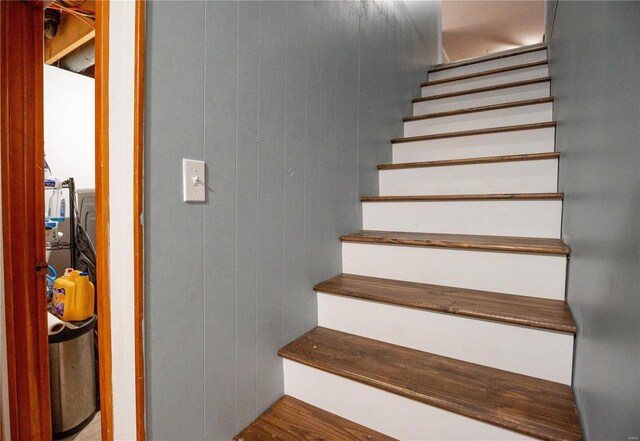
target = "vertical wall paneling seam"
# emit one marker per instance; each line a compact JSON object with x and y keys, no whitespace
{"x":284,"y":171}
{"x":336,"y":164}
{"x":204,"y":223}
{"x":235,"y":275}
{"x":257,"y":144}
{"x":138,"y":212}
{"x":235,"y":229}
{"x":358,"y":208}
{"x":304,"y":184}
{"x":306,"y":120}
{"x":318,"y":168}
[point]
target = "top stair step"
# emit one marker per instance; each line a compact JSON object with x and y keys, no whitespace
{"x":535,"y":407}
{"x":290,"y":419}
{"x":495,"y":56}
{"x":489,"y":62}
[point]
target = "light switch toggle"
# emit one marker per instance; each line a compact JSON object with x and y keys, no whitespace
{"x":193,"y":181}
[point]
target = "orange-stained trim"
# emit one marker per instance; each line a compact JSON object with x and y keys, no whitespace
{"x":21,"y":127}
{"x":138,"y":209}
{"x":102,"y":217}
{"x":40,"y":4}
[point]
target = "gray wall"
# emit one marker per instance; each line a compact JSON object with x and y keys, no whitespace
{"x":549,"y":17}
{"x":595,"y":60}
{"x":291,"y":104}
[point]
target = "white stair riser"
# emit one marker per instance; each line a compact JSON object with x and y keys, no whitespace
{"x":528,"y":351}
{"x":535,"y":275}
{"x":527,"y":218}
{"x":536,"y":176}
{"x":512,"y":116}
{"x":388,"y":413}
{"x":487,"y":80}
{"x":507,"y":95}
{"x":513,"y":60}
{"x":475,"y":146}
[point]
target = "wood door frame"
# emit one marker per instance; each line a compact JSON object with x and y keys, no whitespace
{"x":103,"y":294}
{"x":21,"y":93}
{"x":138,"y":210}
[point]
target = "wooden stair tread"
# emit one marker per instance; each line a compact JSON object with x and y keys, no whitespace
{"x":506,"y":308}
{"x":290,"y":419}
{"x":485,"y":73}
{"x":488,"y":131}
{"x":483,"y":89}
{"x":469,"y":161}
{"x":532,"y":406}
{"x":488,"y":108}
{"x":465,"y":197}
{"x":491,"y":57}
{"x":512,"y":244}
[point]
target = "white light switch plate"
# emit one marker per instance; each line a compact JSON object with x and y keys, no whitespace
{"x":194,"y":185}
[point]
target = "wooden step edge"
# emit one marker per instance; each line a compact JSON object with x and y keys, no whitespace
{"x":516,"y":128}
{"x":471,"y":242}
{"x":532,"y":312}
{"x":289,"y":419}
{"x":491,"y":57}
{"x":479,"y":109}
{"x":465,"y":197}
{"x":483,"y":89}
{"x":469,"y":161}
{"x":485,"y":73}
{"x":540,"y":408}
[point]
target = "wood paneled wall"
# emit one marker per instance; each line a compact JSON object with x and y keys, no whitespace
{"x":291,"y":104}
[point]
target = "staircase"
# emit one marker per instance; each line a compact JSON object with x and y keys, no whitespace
{"x":449,"y":321}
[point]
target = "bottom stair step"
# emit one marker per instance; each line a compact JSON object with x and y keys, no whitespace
{"x":531,"y":406}
{"x":290,"y":419}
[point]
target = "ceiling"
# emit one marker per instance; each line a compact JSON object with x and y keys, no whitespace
{"x":69,"y":30}
{"x":476,"y":28}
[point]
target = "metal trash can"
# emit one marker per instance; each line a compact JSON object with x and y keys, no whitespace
{"x":73,"y":379}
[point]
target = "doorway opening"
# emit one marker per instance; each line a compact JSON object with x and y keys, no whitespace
{"x":70,"y":219}
{"x":55,"y":217}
